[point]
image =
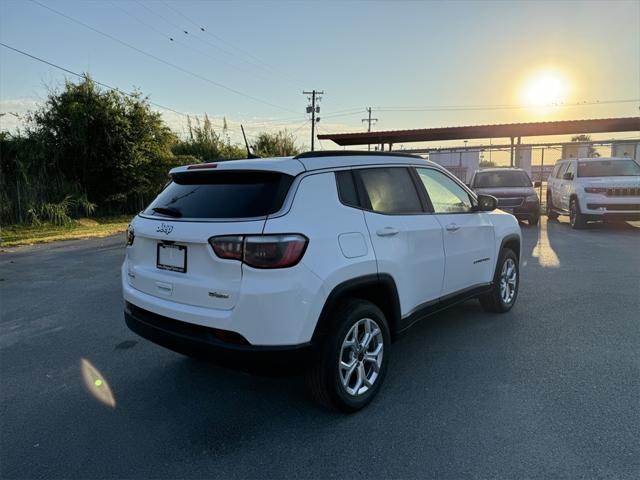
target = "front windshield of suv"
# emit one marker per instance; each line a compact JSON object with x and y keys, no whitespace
{"x":608,"y":168}
{"x":496,"y":179}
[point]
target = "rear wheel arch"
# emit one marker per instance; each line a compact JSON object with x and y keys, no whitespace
{"x":379,"y":289}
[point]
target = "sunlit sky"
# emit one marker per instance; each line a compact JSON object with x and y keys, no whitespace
{"x":379,"y":54}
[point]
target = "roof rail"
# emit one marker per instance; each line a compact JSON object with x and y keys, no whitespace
{"x":351,"y":153}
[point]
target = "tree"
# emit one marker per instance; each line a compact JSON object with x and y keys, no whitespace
{"x":104,"y":147}
{"x":88,"y":149}
{"x":586,"y":138}
{"x":487,"y":164}
{"x":205,"y":144}
{"x":280,"y":144}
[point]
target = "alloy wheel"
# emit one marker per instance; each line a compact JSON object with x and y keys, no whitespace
{"x":361,"y":357}
{"x":508,"y":281}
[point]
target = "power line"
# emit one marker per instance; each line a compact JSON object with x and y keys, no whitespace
{"x":442,"y":108}
{"x":183,"y":44}
{"x":133,"y":95}
{"x":102,"y":84}
{"x":158,"y":59}
{"x":200,"y":27}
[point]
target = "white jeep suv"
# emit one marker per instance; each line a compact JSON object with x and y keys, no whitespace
{"x":594,"y":189}
{"x":313,"y":263}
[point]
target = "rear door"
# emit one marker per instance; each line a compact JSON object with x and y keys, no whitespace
{"x":556,"y":192}
{"x":566,"y":184}
{"x":406,"y":239}
{"x":171,"y":257}
{"x":551,"y":181}
{"x":468,"y":235}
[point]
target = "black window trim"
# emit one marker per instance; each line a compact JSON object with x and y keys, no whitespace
{"x":472,"y":196}
{"x":355,"y":187}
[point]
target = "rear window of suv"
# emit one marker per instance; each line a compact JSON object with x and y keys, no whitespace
{"x":221,"y":194}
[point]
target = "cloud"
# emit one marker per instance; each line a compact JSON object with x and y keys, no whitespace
{"x":13,"y":112}
{"x":300,"y":127}
{"x":13,"y":116}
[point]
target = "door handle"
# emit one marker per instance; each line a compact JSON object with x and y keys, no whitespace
{"x":387,"y":232}
{"x":453,"y":227}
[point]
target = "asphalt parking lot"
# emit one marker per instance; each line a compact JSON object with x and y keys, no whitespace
{"x":549,"y":390}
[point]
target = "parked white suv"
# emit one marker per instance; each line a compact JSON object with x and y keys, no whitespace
{"x":313,"y":263}
{"x":594,"y":189}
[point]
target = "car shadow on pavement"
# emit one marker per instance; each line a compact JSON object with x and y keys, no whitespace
{"x":611,"y":226}
{"x":215,"y":408}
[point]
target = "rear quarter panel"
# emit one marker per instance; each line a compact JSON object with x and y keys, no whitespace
{"x":339,"y":246}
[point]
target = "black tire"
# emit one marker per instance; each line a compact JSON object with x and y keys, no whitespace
{"x":324,"y":378}
{"x":493,"y":301}
{"x":551,"y":213}
{"x":534,"y":219}
{"x":576,"y":219}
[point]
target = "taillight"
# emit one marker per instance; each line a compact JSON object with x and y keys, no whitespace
{"x":261,"y":251}
{"x":130,"y":235}
{"x":230,"y":246}
{"x":273,"y":251}
{"x":595,"y":190}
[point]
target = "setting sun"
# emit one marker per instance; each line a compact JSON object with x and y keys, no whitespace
{"x":546,"y":88}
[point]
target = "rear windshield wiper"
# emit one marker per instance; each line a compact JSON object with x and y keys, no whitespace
{"x":169,"y":211}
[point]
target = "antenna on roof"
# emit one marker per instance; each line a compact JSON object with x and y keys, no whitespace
{"x":249,"y":154}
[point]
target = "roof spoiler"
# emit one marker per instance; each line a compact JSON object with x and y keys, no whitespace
{"x":353,"y":153}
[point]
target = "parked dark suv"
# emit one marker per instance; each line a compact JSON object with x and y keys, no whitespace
{"x":513,"y":189}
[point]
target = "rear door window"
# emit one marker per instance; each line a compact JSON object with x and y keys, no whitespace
{"x":221,"y":194}
{"x":389,"y":190}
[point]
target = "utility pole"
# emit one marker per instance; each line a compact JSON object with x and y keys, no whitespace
{"x":369,"y":120}
{"x":313,"y":109}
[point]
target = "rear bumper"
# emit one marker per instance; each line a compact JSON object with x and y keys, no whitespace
{"x":204,"y":342}
{"x":275,"y":307}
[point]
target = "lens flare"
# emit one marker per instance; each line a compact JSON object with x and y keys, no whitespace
{"x":546,"y":88}
{"x":96,"y":384}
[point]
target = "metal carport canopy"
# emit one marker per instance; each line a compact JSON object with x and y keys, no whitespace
{"x":505,"y":130}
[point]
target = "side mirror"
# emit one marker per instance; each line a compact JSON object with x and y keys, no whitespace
{"x":567,"y":176}
{"x":537,"y":184}
{"x":487,"y":203}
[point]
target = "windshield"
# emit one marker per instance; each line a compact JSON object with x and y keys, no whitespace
{"x":239,"y":194}
{"x":608,"y":168}
{"x":508,"y":178}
